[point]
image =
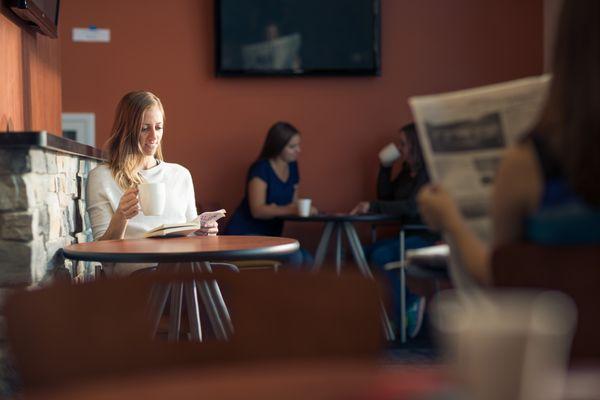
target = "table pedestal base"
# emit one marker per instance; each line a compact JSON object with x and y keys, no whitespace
{"x":358,"y":255}
{"x":209,"y":292}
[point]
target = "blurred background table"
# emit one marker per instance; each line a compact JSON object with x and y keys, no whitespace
{"x":339,"y":224}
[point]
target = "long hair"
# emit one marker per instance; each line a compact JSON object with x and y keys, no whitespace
{"x":571,"y":117}
{"x":416,"y":154}
{"x":125,"y":155}
{"x":277,"y":138}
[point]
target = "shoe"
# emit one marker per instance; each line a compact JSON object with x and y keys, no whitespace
{"x":414,"y":316}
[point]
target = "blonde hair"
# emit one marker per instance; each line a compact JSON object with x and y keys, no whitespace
{"x":125,"y":155}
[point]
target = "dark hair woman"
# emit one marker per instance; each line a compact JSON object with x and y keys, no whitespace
{"x":397,"y":196}
{"x":271,"y":185}
{"x":546,"y":190}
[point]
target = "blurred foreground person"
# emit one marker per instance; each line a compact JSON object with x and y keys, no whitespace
{"x":547,"y":189}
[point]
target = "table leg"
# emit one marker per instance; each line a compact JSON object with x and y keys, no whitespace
{"x":402,"y":289}
{"x":323,"y":243}
{"x":158,"y":301}
{"x":338,"y":249}
{"x":191,"y":297}
{"x":357,"y":251}
{"x":361,"y":261}
{"x":220,"y":302}
{"x":204,"y":288}
{"x":175,"y":312}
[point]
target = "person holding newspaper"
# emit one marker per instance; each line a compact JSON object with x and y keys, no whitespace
{"x":397,"y":196}
{"x":134,"y":155}
{"x":271,"y":189}
{"x":546,"y":189}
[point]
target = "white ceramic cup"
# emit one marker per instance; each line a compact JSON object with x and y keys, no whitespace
{"x":506,"y":344}
{"x":152,"y":198}
{"x":389,"y":154}
{"x":304,"y":207}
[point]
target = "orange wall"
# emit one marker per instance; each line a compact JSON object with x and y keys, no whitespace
{"x":215,"y":127}
{"x":30,"y":87}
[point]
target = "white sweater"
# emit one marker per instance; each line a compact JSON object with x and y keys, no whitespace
{"x":103,"y":196}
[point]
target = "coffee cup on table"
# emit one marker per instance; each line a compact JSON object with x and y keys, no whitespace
{"x":304,"y":207}
{"x":389,"y":154}
{"x":152,"y":198}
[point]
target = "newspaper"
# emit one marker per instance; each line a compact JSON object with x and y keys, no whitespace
{"x":463,"y":135}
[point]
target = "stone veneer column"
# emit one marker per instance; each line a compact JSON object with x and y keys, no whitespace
{"x":42,"y":209}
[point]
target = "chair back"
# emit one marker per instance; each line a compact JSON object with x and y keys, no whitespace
{"x":574,"y":270}
{"x":70,"y":333}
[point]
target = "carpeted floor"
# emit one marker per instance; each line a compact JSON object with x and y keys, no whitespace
{"x":422,"y":350}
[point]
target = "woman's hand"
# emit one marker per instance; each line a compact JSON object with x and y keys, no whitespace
{"x":129,"y":205}
{"x":438,"y":209}
{"x":313,"y":210}
{"x":361,"y":208}
{"x":210,"y":229}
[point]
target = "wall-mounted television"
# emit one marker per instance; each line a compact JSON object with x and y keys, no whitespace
{"x":297,"y":37}
{"x":41,"y":14}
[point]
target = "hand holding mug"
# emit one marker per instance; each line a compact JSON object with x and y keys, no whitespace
{"x":389,"y":154}
{"x":129,"y":205}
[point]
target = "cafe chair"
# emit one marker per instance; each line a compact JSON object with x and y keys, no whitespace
{"x":429,"y":271}
{"x":65,"y":334}
{"x":574,"y":270}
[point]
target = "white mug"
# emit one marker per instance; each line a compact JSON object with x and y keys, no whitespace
{"x":304,"y":207}
{"x":152,"y":198}
{"x":389,"y":154}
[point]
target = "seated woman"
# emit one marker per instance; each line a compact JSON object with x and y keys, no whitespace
{"x":271,"y":189}
{"x":135,"y":156}
{"x":546,"y":190}
{"x":397,"y":196}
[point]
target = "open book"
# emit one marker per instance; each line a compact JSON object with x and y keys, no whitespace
{"x":185,"y":228}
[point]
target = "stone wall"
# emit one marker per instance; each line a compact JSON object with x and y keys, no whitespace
{"x":42,"y":209}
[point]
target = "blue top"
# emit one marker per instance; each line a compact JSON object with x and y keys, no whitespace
{"x":562,"y":217}
{"x":278,"y":192}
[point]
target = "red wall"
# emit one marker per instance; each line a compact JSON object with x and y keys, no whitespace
{"x":215,"y":127}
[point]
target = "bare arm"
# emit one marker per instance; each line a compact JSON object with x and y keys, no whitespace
{"x":128,"y":208}
{"x":257,"y":199}
{"x":516,"y":192}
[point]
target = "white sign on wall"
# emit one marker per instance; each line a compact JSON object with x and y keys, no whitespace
{"x":91,"y":34}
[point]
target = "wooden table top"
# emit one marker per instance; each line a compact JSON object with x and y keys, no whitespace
{"x":182,"y":249}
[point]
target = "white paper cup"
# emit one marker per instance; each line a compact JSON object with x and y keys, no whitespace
{"x":389,"y":154}
{"x":152,"y":198}
{"x":304,"y":207}
{"x":509,"y":344}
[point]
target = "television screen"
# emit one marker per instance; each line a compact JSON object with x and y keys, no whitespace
{"x":297,"y":37}
{"x":42,"y":14}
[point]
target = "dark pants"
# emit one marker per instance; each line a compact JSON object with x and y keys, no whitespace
{"x":388,"y":250}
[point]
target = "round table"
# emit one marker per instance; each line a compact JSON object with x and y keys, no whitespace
{"x":191,"y":253}
{"x":339,"y":223}
{"x":182,"y":249}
